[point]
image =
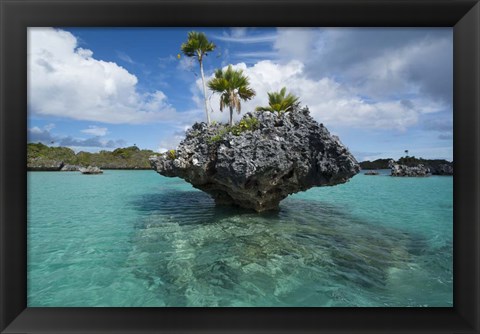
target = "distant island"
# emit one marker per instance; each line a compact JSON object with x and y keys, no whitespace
{"x":436,"y":166}
{"x":41,"y":157}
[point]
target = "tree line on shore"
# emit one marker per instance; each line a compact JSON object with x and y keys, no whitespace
{"x":407,"y":161}
{"x":42,"y":157}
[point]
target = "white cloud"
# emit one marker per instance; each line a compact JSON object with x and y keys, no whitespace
{"x":67,"y":81}
{"x":329,"y":102}
{"x":186,"y":63}
{"x":171,"y":142}
{"x":294,"y":43}
{"x":376,"y":62}
{"x":263,"y":38}
{"x":126,"y":58}
{"x":95,"y":130}
{"x":423,"y":67}
{"x":257,"y":54}
{"x":49,"y":126}
{"x":238,"y":32}
{"x":42,"y":135}
{"x":36,"y":130}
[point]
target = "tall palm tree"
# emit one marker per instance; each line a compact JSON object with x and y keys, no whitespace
{"x":198,"y":46}
{"x":277,"y":101}
{"x":233,"y":87}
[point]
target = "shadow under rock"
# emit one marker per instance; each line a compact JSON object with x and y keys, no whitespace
{"x":191,"y":207}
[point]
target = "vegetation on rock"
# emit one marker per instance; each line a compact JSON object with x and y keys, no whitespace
{"x":279,"y":102}
{"x":248,"y":123}
{"x":171,"y":154}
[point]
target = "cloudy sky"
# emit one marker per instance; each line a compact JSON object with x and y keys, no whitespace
{"x":382,"y":91}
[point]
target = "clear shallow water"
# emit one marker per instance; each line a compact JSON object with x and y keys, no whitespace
{"x":135,"y":238}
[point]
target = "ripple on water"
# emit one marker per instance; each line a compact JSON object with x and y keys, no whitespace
{"x":131,"y":238}
{"x":305,"y":254}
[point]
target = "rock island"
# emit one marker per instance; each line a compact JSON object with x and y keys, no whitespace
{"x":259,"y":161}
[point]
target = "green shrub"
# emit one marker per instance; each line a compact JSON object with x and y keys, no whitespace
{"x":222,"y":131}
{"x":171,"y":154}
{"x":215,"y":138}
{"x":246,"y":124}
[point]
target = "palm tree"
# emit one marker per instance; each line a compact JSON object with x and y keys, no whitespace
{"x":233,"y":85}
{"x":278,"y":102}
{"x":198,"y":46}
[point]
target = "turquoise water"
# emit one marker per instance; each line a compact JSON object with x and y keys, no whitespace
{"x":135,"y":238}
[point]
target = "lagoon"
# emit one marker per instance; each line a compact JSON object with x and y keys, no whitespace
{"x":135,"y":238}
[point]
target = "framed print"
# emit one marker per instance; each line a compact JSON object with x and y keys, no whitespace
{"x":303,"y":156}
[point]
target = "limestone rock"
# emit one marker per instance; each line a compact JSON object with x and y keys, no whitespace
{"x":257,"y":168}
{"x":42,"y":164}
{"x":403,"y":170}
{"x":70,"y":168}
{"x":90,"y":170}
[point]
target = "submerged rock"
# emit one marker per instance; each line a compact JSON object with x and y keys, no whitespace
{"x":257,"y":168}
{"x":90,"y":170}
{"x":403,"y":170}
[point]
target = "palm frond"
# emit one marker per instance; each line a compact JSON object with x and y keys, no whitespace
{"x":278,"y":102}
{"x":197,"y":45}
{"x":233,"y":86}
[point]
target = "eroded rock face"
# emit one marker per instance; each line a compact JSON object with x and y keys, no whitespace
{"x":70,"y":168}
{"x":258,"y":168}
{"x":402,"y":170}
{"x":442,"y":169}
{"x":41,"y":164}
{"x":90,"y":170}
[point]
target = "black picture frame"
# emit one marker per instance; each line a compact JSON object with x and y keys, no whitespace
{"x":17,"y":15}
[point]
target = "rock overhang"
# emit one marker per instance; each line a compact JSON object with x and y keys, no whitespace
{"x":256,"y":169}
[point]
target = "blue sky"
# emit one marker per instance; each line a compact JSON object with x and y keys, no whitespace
{"x":381,"y":90}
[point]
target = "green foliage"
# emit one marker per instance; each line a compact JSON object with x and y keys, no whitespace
{"x":221,"y":132}
{"x":39,"y":150}
{"x":246,"y":124}
{"x":197,"y":45}
{"x":171,"y":154}
{"x":84,"y":159}
{"x":233,"y":86}
{"x":412,"y":161}
{"x":408,"y":161}
{"x":125,"y":153}
{"x":279,"y":102}
{"x":215,"y":138}
{"x":129,"y":157}
{"x":194,"y":133}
